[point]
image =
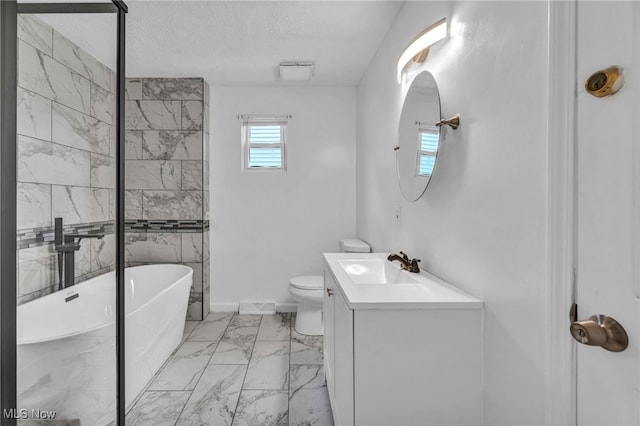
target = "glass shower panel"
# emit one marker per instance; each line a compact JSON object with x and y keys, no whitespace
{"x":66,"y":213}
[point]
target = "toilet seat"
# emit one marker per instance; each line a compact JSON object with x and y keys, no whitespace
{"x":308,"y":282}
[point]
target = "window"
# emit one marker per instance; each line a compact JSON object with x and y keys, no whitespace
{"x":428,"y":139}
{"x":264,"y":143}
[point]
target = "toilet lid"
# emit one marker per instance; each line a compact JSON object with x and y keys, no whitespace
{"x":308,"y":282}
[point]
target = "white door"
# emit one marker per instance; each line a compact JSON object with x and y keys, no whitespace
{"x":608,"y":216}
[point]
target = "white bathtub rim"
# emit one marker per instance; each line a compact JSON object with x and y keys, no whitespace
{"x":165,"y":290}
{"x":108,"y":322}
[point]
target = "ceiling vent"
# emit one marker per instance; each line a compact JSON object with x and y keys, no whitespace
{"x":296,"y":70}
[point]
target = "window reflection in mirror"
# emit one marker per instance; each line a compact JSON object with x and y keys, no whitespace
{"x":428,"y":140}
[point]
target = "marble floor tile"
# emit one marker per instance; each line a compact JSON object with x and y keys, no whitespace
{"x":269,"y":366}
{"x":245,"y":320}
{"x":247,"y":381}
{"x":275,"y":327}
{"x":305,"y":349}
{"x":184,"y":368}
{"x":211,"y":329}
{"x":308,"y":396}
{"x":214,"y":400}
{"x":188,"y":328}
{"x":157,"y":408}
{"x":306,"y":377}
{"x":243,"y":332}
{"x":219,"y":316}
{"x":262,"y":407}
{"x":236,"y":346}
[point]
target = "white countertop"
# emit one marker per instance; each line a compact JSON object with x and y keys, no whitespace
{"x":429,"y":292}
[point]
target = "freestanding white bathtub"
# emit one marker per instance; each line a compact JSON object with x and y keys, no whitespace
{"x":66,"y":341}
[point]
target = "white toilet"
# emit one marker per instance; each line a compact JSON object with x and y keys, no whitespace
{"x":307,"y":290}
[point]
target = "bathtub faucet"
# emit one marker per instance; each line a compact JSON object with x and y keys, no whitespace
{"x":66,"y":246}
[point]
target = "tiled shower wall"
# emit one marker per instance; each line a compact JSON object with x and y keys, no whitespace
{"x":66,"y":142}
{"x":167,"y":178}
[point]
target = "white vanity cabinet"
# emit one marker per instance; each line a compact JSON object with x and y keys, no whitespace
{"x":338,"y":353}
{"x":391,"y":364}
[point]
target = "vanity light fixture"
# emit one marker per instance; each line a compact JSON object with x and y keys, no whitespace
{"x":418,"y":49}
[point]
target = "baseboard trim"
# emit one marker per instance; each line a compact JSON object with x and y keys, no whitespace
{"x":260,"y":307}
{"x":234,"y":307}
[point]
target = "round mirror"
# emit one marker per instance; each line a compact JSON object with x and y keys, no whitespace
{"x":418,"y":136}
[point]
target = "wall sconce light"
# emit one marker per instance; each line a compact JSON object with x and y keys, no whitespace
{"x":418,"y":49}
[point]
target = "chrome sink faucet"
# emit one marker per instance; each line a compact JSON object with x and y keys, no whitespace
{"x":66,"y":246}
{"x":405,"y":263}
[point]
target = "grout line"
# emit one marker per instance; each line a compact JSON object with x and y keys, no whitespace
{"x":57,"y":101}
{"x":152,"y":379}
{"x":51,"y":218}
{"x":188,"y":399}
{"x":289,"y":384}
{"x":242,"y":389}
{"x":235,"y":411}
{"x":181,"y":114}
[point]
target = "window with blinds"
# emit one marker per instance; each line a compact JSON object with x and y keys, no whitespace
{"x":428,"y":140}
{"x":264,"y":143}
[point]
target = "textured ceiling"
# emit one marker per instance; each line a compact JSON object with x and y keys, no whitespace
{"x":240,"y":42}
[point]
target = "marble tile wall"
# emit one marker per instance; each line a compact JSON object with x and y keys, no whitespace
{"x":167,"y":178}
{"x":65,"y":154}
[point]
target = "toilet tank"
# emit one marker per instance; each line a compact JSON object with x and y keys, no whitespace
{"x":353,"y":245}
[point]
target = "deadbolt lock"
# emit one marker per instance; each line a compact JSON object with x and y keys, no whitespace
{"x":605,"y":82}
{"x":600,"y":330}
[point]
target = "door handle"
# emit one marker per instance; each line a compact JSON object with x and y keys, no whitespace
{"x":329,"y":292}
{"x":600,"y":330}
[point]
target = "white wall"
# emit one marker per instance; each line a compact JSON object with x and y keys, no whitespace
{"x":270,"y":226}
{"x":482,"y":223}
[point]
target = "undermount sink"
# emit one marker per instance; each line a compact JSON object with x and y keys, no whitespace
{"x":375,"y":271}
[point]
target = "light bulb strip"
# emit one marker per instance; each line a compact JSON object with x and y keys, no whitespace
{"x":431,"y":35}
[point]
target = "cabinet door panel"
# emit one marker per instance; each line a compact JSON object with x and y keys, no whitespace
{"x":328,"y":321}
{"x":418,"y":367}
{"x":343,"y":362}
